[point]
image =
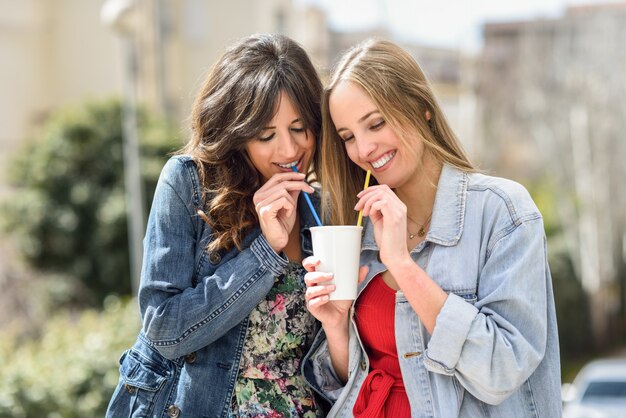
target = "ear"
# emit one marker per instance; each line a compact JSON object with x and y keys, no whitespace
{"x":427,"y":114}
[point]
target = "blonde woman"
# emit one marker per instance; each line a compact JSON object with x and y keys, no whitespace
{"x":455,"y":313}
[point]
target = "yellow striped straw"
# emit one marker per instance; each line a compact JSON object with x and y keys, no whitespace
{"x":367,"y":183}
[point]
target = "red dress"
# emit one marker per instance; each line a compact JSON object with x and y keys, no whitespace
{"x":382,"y":393}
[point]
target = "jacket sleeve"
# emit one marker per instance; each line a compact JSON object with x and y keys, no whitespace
{"x":179,"y":317}
{"x":318,"y":370}
{"x":494,"y":346}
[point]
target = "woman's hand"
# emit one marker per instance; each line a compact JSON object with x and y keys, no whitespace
{"x":275,"y":204}
{"x":330,"y":313}
{"x":388,"y":215}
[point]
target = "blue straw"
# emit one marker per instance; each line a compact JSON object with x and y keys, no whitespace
{"x":308,"y":201}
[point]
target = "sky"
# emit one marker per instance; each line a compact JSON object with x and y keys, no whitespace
{"x":442,"y":23}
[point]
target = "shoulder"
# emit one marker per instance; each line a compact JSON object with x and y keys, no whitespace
{"x":178,"y":168}
{"x":500,"y":196}
{"x":180,"y":174}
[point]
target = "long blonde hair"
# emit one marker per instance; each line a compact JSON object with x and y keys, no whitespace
{"x":239,"y":97}
{"x":401,"y":92}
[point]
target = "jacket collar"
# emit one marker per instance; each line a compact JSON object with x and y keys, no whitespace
{"x":448,"y":218}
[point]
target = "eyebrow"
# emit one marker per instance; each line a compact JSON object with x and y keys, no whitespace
{"x":292,"y":122}
{"x":361,"y":119}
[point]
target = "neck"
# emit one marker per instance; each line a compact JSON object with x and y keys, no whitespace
{"x":419,"y":194}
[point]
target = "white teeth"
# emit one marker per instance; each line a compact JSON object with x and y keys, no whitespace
{"x":383,"y":160}
{"x":288,"y":165}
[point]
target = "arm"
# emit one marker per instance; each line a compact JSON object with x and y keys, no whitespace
{"x":495,"y":345}
{"x":388,"y":216}
{"x":334,"y":316}
{"x":177,"y":317}
{"x":337,"y":340}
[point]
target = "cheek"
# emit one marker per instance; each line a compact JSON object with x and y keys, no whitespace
{"x":309,"y":141}
{"x":258,"y":152}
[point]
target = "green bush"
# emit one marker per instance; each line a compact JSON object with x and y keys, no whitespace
{"x":571,"y":300}
{"x":70,"y":217}
{"x":72,"y":369}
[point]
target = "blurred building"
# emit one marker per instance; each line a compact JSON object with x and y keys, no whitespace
{"x":52,"y":53}
{"x":58,"y":53}
{"x":551,"y":95}
{"x":186,"y":37}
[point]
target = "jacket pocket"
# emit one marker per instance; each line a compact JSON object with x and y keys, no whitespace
{"x":141,"y":381}
{"x":468,"y":296}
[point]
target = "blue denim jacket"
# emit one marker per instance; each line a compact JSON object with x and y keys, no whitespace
{"x":494,"y":350}
{"x":194,"y":306}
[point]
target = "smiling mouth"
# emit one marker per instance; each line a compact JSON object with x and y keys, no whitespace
{"x":383,"y":160}
{"x":288,"y":165}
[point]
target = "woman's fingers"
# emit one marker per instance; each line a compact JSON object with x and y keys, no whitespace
{"x":320,"y":290}
{"x":289,"y":184}
{"x":281,"y":196}
{"x":282,"y":177}
{"x":318,"y":295}
{"x":381,"y":199}
{"x":367,"y":199}
{"x":317,"y":277}
{"x":310,"y":263}
{"x":317,"y":302}
{"x":289,"y":191}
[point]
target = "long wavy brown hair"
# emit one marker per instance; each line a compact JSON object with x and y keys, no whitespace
{"x":402,"y":93}
{"x":238,"y":98}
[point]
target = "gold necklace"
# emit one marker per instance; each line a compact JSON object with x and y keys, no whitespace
{"x":420,"y":232}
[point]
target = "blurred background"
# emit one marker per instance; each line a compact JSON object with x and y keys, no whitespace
{"x":95,"y":95}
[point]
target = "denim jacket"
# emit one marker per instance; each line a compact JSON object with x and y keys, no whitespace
{"x":194,"y":306}
{"x":494,"y":349}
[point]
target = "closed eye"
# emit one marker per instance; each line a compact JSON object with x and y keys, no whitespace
{"x":377,"y":125}
{"x":266,"y":138}
{"x":346,"y":138}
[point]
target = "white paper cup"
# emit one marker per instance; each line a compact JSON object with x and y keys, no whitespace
{"x":339,"y":250}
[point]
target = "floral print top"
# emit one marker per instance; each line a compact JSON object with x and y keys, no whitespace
{"x":280,"y":331}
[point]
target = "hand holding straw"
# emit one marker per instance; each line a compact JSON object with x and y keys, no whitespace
{"x":365,"y":186}
{"x":308,"y":201}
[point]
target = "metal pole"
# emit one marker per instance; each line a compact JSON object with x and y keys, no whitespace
{"x":132,"y":172}
{"x":121,"y":16}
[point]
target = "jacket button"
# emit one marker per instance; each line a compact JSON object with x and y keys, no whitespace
{"x":363,"y":366}
{"x":130,"y":389}
{"x":190,"y":358}
{"x":215,"y":257}
{"x":173,"y":411}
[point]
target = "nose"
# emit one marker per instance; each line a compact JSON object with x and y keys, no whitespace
{"x":287,"y":146}
{"x":365,"y":147}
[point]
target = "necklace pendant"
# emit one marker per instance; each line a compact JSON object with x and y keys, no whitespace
{"x":411,"y":236}
{"x":421,"y":232}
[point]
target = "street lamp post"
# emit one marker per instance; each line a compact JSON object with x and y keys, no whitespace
{"x":119,"y":14}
